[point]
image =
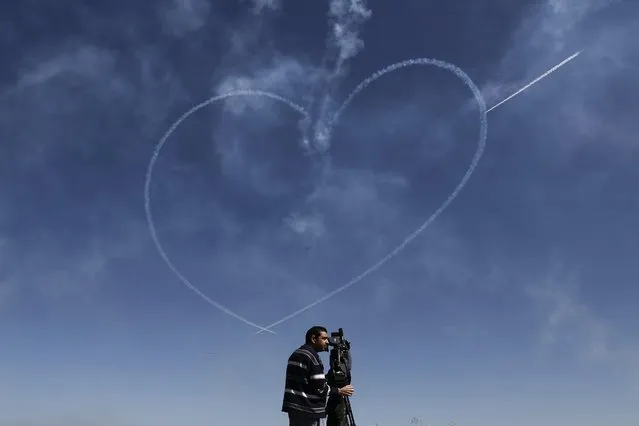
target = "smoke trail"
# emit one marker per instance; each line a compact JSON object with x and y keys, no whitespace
{"x":149,"y":179}
{"x":343,"y":43}
{"x":345,"y":16}
{"x":541,"y":77}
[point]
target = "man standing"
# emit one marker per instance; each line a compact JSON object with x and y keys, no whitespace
{"x":306,"y":391}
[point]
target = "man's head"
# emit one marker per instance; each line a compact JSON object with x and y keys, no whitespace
{"x":317,"y":337}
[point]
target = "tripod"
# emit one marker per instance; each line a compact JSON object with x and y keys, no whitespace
{"x":349,"y":411}
{"x":340,"y":412}
{"x":339,"y":409}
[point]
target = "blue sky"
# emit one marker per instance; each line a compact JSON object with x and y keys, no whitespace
{"x":515,"y":306}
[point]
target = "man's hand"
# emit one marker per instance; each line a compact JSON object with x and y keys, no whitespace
{"x":346,"y":390}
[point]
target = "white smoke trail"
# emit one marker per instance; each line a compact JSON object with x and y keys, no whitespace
{"x":345,"y":16}
{"x":149,"y":179}
{"x":343,"y":43}
{"x":541,"y":77}
{"x":362,"y":86}
{"x":482,"y":141}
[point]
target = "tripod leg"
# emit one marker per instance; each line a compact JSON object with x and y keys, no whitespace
{"x":338,"y":412}
{"x":349,"y":412}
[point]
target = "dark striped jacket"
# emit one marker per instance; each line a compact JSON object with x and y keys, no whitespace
{"x":306,"y":390}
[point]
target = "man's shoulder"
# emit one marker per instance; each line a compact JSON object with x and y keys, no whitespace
{"x":306,"y":352}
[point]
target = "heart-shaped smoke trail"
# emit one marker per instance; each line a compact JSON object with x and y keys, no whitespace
{"x":343,"y":43}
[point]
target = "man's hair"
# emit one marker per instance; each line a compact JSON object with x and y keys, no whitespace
{"x":316,"y":330}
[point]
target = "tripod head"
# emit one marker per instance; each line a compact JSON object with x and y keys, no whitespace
{"x":339,"y":373}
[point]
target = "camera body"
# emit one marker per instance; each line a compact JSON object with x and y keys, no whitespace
{"x":337,"y":339}
{"x":339,"y":373}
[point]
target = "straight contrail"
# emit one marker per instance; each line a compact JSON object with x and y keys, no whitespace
{"x":401,"y":246}
{"x":541,"y":77}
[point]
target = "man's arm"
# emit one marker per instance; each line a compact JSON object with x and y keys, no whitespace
{"x":318,"y":381}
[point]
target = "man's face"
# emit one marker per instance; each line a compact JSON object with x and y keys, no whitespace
{"x":320,"y":343}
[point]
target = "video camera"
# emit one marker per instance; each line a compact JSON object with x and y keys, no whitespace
{"x":339,"y":373}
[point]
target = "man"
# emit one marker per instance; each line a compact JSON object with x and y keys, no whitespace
{"x":306,"y":391}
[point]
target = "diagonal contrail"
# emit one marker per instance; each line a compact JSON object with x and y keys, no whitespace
{"x":541,"y":77}
{"x":332,"y":293}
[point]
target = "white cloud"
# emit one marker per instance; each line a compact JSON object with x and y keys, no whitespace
{"x":284,"y":76}
{"x":184,"y":16}
{"x":585,"y":104}
{"x":345,"y":16}
{"x":7,"y":291}
{"x":57,"y":274}
{"x":71,"y":86}
{"x":86,"y":61}
{"x":569,"y":323}
{"x":560,"y":17}
{"x":260,"y":5}
{"x":311,"y":224}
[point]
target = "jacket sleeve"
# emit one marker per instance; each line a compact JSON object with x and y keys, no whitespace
{"x":317,"y":380}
